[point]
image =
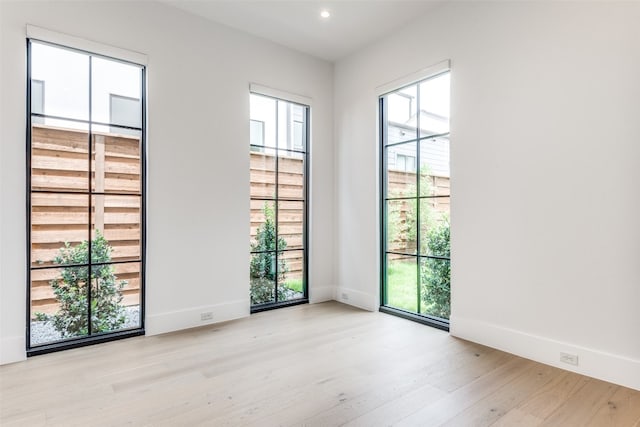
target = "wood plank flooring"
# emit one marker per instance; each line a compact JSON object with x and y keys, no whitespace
{"x":312,"y":365}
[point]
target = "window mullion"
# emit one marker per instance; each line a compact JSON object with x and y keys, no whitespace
{"x":418,"y":173}
{"x":384,"y":202}
{"x":89,"y":283}
{"x":277,"y":203}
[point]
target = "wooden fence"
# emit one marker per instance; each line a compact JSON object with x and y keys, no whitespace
{"x":402,"y":212}
{"x":60,"y":164}
{"x":59,"y":167}
{"x":404,"y":184}
{"x":290,"y":213}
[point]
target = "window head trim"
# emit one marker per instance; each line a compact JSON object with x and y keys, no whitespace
{"x":305,"y":101}
{"x":415,"y":77}
{"x":88,"y":46}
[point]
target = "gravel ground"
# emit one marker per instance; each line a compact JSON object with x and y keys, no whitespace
{"x":44,"y":332}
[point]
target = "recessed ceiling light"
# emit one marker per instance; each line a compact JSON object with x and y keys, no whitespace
{"x":325,"y":14}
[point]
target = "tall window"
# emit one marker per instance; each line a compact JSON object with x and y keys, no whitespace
{"x":278,"y":177}
{"x":86,"y":197}
{"x":415,"y":201}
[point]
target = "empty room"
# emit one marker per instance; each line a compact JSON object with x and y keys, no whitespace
{"x":319,"y":213}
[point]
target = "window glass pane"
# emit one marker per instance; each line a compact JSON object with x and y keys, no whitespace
{"x":262,"y":175}
{"x":299,"y":136}
{"x":263,"y":109}
{"x":59,"y":229}
{"x":290,"y":275}
{"x":292,"y":131}
{"x":299,"y":115}
{"x":116,"y":228}
{"x":124,"y":111}
{"x":434,"y":226}
{"x":263,"y":242}
{"x":59,"y":158}
{"x":256,"y":130}
{"x":51,"y":321}
{"x":37,"y":98}
{"x":263,"y":227}
{"x":434,"y":105}
{"x":65,"y":77}
{"x":291,"y":225}
{"x":290,"y":175}
{"x":262,"y":278}
{"x":401,"y":226}
{"x":435,"y":281}
{"x":434,"y":166}
{"x":401,"y":115}
{"x":401,"y":171}
{"x":285,"y":137}
{"x":116,"y":162}
{"x":402,"y":282}
{"x":130,"y":273}
{"x":115,"y":96}
{"x":116,"y":289}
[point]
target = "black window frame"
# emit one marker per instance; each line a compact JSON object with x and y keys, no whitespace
{"x":89,"y":339}
{"x":437,"y":322}
{"x":305,"y":152}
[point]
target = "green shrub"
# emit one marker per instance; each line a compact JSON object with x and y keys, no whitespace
{"x":436,"y":273}
{"x":402,"y":224}
{"x":262,"y":291}
{"x":262,"y":268}
{"x":71,"y":291}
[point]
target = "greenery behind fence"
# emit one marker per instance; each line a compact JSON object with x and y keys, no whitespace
{"x":402,"y":227}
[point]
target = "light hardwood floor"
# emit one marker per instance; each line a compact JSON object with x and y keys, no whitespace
{"x":315,"y":365}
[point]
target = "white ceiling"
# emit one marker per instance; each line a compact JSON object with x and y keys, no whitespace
{"x":297,"y":24}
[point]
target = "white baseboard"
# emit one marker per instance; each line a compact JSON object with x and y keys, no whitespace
{"x":12,"y":349}
{"x":183,"y":319}
{"x":593,"y":363}
{"x":321,"y":294}
{"x":356,"y":298}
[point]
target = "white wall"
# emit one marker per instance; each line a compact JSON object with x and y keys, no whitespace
{"x":545,"y":166}
{"x":198,"y":157}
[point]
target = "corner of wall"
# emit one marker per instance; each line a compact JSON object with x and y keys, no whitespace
{"x":356,"y":298}
{"x":321,"y":294}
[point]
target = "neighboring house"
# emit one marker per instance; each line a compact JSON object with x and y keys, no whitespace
{"x":434,"y":154}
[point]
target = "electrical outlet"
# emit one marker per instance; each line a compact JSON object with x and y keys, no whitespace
{"x":345,"y":296}
{"x":571,"y":359}
{"x":206,"y":316}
